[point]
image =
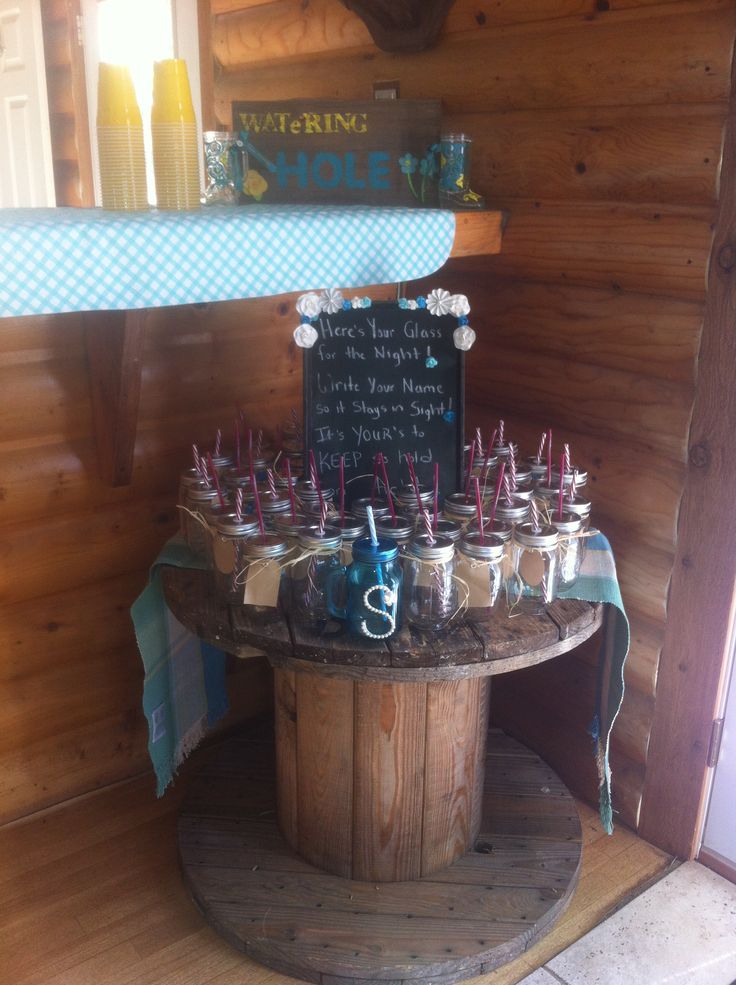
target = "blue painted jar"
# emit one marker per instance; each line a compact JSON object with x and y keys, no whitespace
{"x":373,"y":590}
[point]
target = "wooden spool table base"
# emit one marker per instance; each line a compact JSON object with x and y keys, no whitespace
{"x":463,"y":920}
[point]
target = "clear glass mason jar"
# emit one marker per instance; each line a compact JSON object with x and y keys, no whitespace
{"x":273,"y":506}
{"x":549,"y":502}
{"x":400,"y":530}
{"x":212,"y":512}
{"x":262,"y":579}
{"x":235,"y":478}
{"x":581,"y":477}
{"x":372,"y":590}
{"x":480,"y":566}
{"x":570,"y":547}
{"x":534,"y":570}
{"x":310,"y":575}
{"x":187,"y":477}
{"x":222,"y":463}
{"x":228,"y":545}
{"x":430,"y":589}
{"x":290,"y":527}
{"x":196,"y":530}
{"x":499,"y":528}
{"x":537,"y":467}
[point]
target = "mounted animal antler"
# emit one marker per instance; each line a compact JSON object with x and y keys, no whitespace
{"x":402,"y":25}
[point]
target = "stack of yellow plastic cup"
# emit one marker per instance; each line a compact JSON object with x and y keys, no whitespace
{"x":120,"y":141}
{"x":174,"y":133}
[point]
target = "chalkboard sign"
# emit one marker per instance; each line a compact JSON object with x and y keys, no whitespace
{"x":384,"y":378}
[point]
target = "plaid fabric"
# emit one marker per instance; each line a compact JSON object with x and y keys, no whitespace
{"x":184,"y":691}
{"x":598,"y":583}
{"x":64,"y":259}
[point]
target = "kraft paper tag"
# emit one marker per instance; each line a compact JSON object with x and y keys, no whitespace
{"x":262,"y":582}
{"x":531,"y":568}
{"x":478,"y":579}
{"x":224,"y":553}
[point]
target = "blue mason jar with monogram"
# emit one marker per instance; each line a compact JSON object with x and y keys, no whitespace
{"x":372,"y":590}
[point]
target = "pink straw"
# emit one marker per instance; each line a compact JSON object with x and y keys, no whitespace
{"x":471,"y":462}
{"x":500,"y":432}
{"x":549,"y":458}
{"x":237,"y":444}
{"x":239,"y":503}
{"x":513,"y":452}
{"x":271,"y":483}
{"x":499,"y":483}
{"x":436,"y":491}
{"x":428,"y":527}
{"x":213,"y":472}
{"x":291,"y":492}
{"x":218,"y":442}
{"x":250,"y":448}
{"x":315,"y":479}
{"x":259,"y":443}
{"x":257,"y":499}
{"x":479,"y":442}
{"x":374,"y":486}
{"x":542,"y":443}
{"x":566,"y":459}
{"x":413,"y":477}
{"x":479,"y":509}
{"x":562,"y":485}
{"x":572,"y":492}
{"x":342,"y":489}
{"x":507,"y":489}
{"x":389,"y":497}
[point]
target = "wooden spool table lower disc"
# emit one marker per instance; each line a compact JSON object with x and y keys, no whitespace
{"x":464,"y":920}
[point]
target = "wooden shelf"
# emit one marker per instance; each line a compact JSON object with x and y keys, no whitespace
{"x":478,"y":233}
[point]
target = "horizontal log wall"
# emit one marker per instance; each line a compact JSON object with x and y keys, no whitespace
{"x":604,"y":147}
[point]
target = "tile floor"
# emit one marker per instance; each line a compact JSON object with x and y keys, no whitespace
{"x":680,"y":931}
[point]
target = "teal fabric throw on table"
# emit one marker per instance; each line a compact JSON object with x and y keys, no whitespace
{"x":598,"y":583}
{"x":184,"y":690}
{"x":54,"y":260}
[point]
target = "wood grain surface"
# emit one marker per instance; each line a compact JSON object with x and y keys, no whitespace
{"x":465,"y":919}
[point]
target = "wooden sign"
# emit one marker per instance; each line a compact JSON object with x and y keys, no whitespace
{"x":376,"y":152}
{"x":384,"y":379}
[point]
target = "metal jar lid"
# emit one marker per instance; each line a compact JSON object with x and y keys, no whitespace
{"x":456,"y":503}
{"x":480,"y":464}
{"x":401,"y":528}
{"x":523,"y":474}
{"x":365,"y":550}
{"x":236,"y":478}
{"x":579,"y":505}
{"x":499,"y":528}
{"x":516,"y":510}
{"x":310,"y":537}
{"x":282,"y":480}
{"x":286,"y":526}
{"x":358,"y":506}
{"x":406,"y":496}
{"x":501,"y":451}
{"x":229,"y":526}
{"x":524,"y":490}
{"x":581,"y":477}
{"x":570,"y":523}
{"x":213,"y":509}
{"x":537,"y":467}
{"x":443,"y":548}
{"x":491,"y":549}
{"x":222,"y":462}
{"x":190,"y":476}
{"x":201,"y":493}
{"x":543,"y":538}
{"x":274,"y":504}
{"x":351,"y":527}
{"x":265,"y":546}
{"x":448,"y":528}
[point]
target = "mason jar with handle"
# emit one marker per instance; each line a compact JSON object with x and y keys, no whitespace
{"x":372,"y":590}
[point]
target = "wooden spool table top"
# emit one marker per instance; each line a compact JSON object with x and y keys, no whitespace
{"x":466,"y":919}
{"x":468,"y":650}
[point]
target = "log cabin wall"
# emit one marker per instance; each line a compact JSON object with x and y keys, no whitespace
{"x":598,"y":125}
{"x":75,"y":552}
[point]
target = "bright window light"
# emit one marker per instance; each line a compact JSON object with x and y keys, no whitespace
{"x":137,"y":33}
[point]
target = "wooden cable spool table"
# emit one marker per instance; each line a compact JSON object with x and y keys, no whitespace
{"x":396,"y":846}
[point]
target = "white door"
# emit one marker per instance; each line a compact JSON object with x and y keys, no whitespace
{"x":26,"y":168}
{"x":719,"y":838}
